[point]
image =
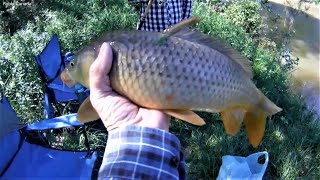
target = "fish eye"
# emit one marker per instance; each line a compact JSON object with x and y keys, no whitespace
{"x":71,"y":64}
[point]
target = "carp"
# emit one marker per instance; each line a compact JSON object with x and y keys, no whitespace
{"x":178,"y":71}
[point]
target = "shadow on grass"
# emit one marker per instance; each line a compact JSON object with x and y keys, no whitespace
{"x":291,"y":138}
{"x":293,"y":147}
{"x":15,"y":15}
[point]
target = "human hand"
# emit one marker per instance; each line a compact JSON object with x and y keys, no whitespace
{"x":113,"y":109}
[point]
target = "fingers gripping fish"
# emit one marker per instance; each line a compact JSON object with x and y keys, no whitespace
{"x":187,"y":71}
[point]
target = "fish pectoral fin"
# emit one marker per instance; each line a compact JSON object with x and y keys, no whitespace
{"x":186,"y":115}
{"x":86,"y":112}
{"x":255,"y":123}
{"x":232,"y":120}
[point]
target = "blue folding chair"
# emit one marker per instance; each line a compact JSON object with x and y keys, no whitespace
{"x":20,"y":159}
{"x":50,"y":65}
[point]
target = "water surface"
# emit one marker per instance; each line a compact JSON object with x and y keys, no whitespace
{"x":304,"y":20}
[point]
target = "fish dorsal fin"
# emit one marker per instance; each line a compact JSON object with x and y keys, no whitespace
{"x":182,"y":25}
{"x":217,"y":44}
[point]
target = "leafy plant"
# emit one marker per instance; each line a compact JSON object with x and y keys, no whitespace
{"x":292,"y":137}
{"x":246,"y":14}
{"x":75,"y":28}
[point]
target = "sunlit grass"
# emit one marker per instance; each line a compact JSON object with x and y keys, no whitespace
{"x":292,"y":137}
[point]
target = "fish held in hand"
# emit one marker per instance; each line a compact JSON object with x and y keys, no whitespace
{"x":179,"y":71}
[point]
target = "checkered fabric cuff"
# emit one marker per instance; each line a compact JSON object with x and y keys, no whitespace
{"x":163,"y":13}
{"x":134,"y":152}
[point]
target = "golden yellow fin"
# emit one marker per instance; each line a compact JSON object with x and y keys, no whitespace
{"x":255,"y":123}
{"x":186,"y":115}
{"x":183,"y":24}
{"x":255,"y":118}
{"x":86,"y":112}
{"x":232,"y":120}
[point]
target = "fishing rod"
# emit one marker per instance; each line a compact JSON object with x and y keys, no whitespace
{"x":143,"y":18}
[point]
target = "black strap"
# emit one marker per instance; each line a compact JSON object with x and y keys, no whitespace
{"x":143,"y":18}
{"x":58,"y":72}
{"x":86,"y":141}
{"x":22,"y":136}
{"x":142,"y":21}
{"x":1,"y":93}
{"x":44,"y":75}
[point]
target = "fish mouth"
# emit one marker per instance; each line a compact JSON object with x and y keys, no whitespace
{"x":66,"y":79}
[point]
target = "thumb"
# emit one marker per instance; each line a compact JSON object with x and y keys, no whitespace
{"x":99,"y":80}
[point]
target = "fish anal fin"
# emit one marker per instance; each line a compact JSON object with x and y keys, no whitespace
{"x":86,"y":112}
{"x":186,"y":115}
{"x":255,"y":123}
{"x":232,"y":120}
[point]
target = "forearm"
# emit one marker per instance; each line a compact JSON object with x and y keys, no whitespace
{"x":142,"y":153}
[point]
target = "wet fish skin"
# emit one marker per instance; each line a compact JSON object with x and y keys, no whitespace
{"x":177,"y":74}
{"x":182,"y":72}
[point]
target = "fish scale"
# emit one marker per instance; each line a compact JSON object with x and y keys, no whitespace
{"x":178,"y":71}
{"x":167,"y":73}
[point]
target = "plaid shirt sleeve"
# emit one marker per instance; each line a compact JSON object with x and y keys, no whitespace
{"x":164,"y":13}
{"x":186,"y":5}
{"x":134,"y":152}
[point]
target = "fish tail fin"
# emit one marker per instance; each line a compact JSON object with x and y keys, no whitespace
{"x":255,"y":119}
{"x":232,"y":120}
{"x":255,"y":123}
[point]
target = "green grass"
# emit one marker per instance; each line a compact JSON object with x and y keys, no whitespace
{"x":292,"y":137}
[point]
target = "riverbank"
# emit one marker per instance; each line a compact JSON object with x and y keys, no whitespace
{"x":291,"y":137}
{"x":302,"y":19}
